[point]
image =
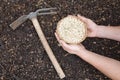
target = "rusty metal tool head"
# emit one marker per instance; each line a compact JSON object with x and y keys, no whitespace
{"x":23,"y":18}
{"x":33,"y":17}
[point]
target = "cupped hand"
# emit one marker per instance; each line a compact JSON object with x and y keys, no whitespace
{"x":71,"y":48}
{"x":91,"y":26}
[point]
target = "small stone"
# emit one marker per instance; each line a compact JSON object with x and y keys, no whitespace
{"x":118,"y":51}
{"x":94,"y":42}
{"x":32,"y":52}
{"x":0,"y":8}
{"x":59,"y":45}
{"x":87,"y":79}
{"x":103,"y":48}
{"x":103,"y":19}
{"x":30,"y":35}
{"x":39,"y":51}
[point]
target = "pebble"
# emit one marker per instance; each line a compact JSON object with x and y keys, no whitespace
{"x":87,"y":79}
{"x":59,"y":45}
{"x":94,"y":42}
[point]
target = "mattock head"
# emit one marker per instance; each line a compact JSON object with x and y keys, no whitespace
{"x":18,"y":22}
{"x":22,"y":19}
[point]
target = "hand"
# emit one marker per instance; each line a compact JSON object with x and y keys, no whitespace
{"x":91,"y":26}
{"x":71,"y":48}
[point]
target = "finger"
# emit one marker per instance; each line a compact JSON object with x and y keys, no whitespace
{"x":81,"y":45}
{"x":58,"y":39}
{"x":65,"y":45}
{"x":69,"y":15}
{"x":56,"y":36}
{"x":82,"y":18}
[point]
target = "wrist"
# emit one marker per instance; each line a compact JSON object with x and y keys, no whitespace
{"x":85,"y":55}
{"x":100,"y":31}
{"x":81,"y":52}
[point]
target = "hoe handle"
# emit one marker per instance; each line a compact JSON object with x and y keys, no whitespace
{"x":47,"y":48}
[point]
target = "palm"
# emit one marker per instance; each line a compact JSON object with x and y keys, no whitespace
{"x":91,"y":26}
{"x":71,"y":48}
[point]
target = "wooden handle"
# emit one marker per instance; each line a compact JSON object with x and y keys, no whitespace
{"x":47,"y":48}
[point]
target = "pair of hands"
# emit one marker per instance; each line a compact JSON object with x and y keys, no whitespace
{"x":79,"y":48}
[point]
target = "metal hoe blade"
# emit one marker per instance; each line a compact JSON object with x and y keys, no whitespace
{"x":22,"y":19}
{"x":18,"y":22}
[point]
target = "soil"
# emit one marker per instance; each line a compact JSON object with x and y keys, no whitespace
{"x":22,"y":56}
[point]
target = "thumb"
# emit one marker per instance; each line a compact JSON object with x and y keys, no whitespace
{"x":82,"y":18}
{"x":90,"y":34}
{"x":63,"y":44}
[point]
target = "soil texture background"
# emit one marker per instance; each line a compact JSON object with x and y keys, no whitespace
{"x":22,"y":56}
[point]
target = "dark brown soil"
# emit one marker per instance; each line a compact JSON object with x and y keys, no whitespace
{"x":22,"y":56}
